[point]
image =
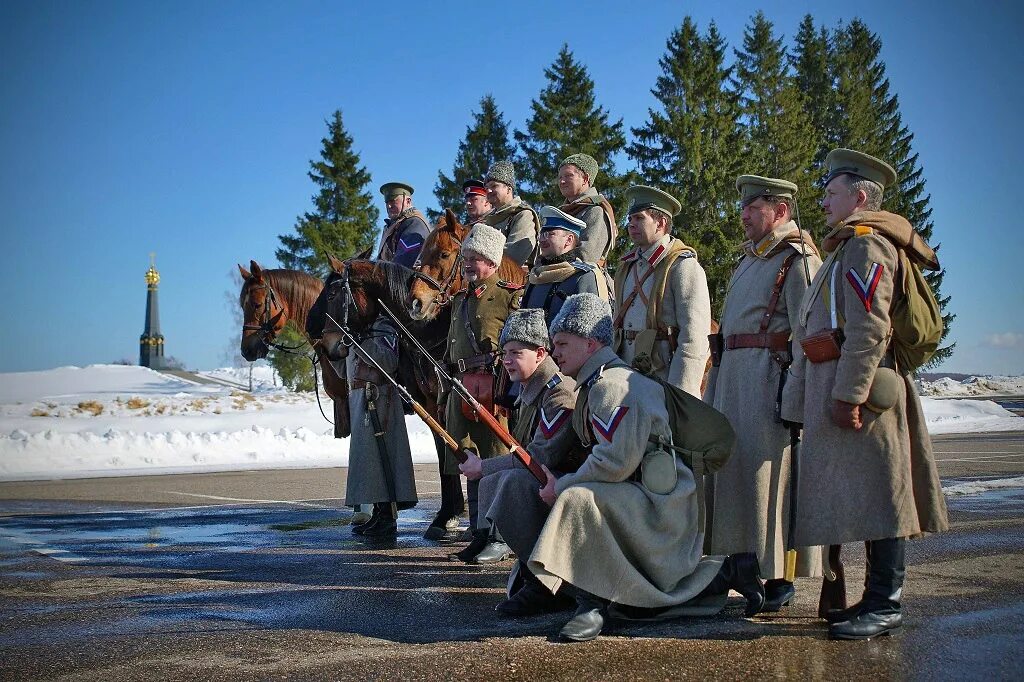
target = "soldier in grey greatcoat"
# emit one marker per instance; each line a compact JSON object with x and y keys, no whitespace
{"x":405,"y":228}
{"x":508,"y":491}
{"x":662,"y":303}
{"x":576,"y":176}
{"x":866,"y":466}
{"x":749,"y":497}
{"x":608,"y":535}
{"x":375,"y":459}
{"x":559,"y":272}
{"x":511,"y":216}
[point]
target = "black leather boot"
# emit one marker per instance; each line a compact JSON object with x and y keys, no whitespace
{"x":880,"y":611}
{"x":777,"y":593}
{"x":475,"y":546}
{"x":357,"y":528}
{"x":746,"y":579}
{"x":588,"y":621}
{"x":533,"y":598}
{"x":384,"y":523}
{"x":839,"y":615}
{"x":446,"y":523}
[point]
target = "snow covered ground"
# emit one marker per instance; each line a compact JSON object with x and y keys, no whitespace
{"x":974,"y":386}
{"x":115,"y":420}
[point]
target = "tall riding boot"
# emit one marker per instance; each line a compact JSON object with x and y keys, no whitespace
{"x":746,"y":579}
{"x":839,"y":615}
{"x":588,"y":621}
{"x":452,"y":506}
{"x":532,"y":598}
{"x":880,"y":610}
{"x":778,"y":592}
{"x":385,"y":522}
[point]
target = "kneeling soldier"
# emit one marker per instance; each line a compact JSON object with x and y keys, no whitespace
{"x":508,"y":492}
{"x":478,"y":315}
{"x":608,"y":535}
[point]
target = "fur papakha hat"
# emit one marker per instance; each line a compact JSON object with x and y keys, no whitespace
{"x":502,"y":171}
{"x":486,"y":241}
{"x":587,"y":315}
{"x":585,"y":162}
{"x":526,"y":326}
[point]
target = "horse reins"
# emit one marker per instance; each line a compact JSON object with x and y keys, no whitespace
{"x":444,"y":293}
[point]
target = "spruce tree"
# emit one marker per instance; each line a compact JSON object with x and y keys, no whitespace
{"x":344,"y":219}
{"x":691,"y":147}
{"x":486,"y":141}
{"x":872,"y":123}
{"x":566,"y":120}
{"x":779,"y":137}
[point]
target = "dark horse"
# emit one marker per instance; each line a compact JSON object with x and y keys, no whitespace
{"x":350,"y":297}
{"x":269,"y":299}
{"x":439,"y":269}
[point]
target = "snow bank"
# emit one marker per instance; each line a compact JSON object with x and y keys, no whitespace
{"x":973,"y":386}
{"x":114,"y":420}
{"x":977,"y":487}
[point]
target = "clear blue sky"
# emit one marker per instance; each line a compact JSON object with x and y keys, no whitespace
{"x":186,"y":128}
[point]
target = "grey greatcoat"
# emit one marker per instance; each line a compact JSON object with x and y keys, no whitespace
{"x":880,"y":481}
{"x":598,"y":237}
{"x":520,"y":225}
{"x":685,"y":312}
{"x":509,"y":494}
{"x":550,"y":284}
{"x":607,"y":534}
{"x":749,"y":497}
{"x":366,"y":482}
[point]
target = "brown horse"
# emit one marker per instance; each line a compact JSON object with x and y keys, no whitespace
{"x":440,"y":269}
{"x":269,"y":299}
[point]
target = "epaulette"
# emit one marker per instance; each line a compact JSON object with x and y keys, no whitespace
{"x":509,"y":285}
{"x":553,"y":381}
{"x":583,"y":266}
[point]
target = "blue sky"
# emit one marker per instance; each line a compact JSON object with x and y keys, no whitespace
{"x":187,"y":128}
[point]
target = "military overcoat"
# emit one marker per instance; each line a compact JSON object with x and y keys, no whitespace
{"x":881,"y":481}
{"x":607,"y":534}
{"x":748,"y":499}
{"x":549,"y":284}
{"x":403,"y":237}
{"x":520,"y":225}
{"x":598,"y":237}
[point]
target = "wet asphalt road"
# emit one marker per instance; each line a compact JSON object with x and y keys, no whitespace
{"x":255,"y":575}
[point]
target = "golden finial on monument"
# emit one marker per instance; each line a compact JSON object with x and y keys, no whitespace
{"x":152,"y":276}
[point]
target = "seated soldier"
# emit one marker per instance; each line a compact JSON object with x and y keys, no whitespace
{"x":608,"y":535}
{"x":559,"y":272}
{"x":508,"y":492}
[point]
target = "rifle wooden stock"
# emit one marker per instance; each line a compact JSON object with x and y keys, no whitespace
{"x":439,"y":430}
{"x":833,"y":592}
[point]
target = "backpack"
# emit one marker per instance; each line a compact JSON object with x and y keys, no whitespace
{"x":915,"y":317}
{"x":701,"y":435}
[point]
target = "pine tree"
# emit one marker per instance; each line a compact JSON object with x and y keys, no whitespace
{"x":691,"y":148}
{"x":779,"y":136}
{"x":344,"y":219}
{"x":872,"y":123}
{"x":811,"y":60}
{"x":486,"y":141}
{"x":566,"y":120}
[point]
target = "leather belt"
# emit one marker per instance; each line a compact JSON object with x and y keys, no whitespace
{"x":476,"y":362}
{"x":356,"y":384}
{"x":663,"y":334}
{"x":779,"y":341}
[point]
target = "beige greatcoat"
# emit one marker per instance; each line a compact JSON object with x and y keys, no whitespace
{"x":609,"y":535}
{"x":520,"y":225}
{"x":748,"y":499}
{"x":597,"y":239}
{"x":881,"y":481}
{"x":686,"y":307}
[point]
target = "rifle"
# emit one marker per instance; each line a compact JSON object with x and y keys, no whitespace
{"x":532,"y":465}
{"x":351,"y":342}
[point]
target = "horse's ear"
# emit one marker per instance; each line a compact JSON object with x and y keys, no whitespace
{"x":450,"y":220}
{"x":336,"y":265}
{"x":257,"y":271}
{"x":245,"y":273}
{"x":364,"y":254}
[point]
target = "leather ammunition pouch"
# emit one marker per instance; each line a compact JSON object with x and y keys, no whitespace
{"x":824,"y":346}
{"x":480,"y":385}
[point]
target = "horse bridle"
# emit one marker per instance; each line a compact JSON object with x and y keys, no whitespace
{"x":444,"y":293}
{"x":265,"y":329}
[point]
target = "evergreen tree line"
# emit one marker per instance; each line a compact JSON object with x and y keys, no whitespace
{"x":763,"y":109}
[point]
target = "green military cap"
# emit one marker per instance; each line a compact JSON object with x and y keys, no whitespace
{"x":642,"y":197}
{"x":840,"y":161}
{"x":751,"y":187}
{"x":390,"y":190}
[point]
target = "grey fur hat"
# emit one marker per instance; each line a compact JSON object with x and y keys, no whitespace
{"x":585,"y":162}
{"x":587,"y":315}
{"x":502,"y":171}
{"x":486,"y":241}
{"x":526,"y":326}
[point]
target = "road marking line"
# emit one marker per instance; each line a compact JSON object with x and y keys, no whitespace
{"x":980,"y":452}
{"x":245,"y":500}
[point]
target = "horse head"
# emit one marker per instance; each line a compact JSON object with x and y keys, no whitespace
{"x":349,"y":301}
{"x":263,"y":313}
{"x":438,"y":267}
